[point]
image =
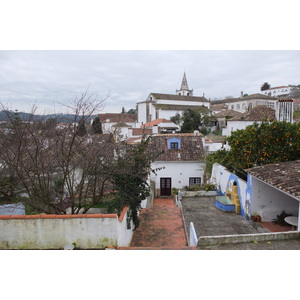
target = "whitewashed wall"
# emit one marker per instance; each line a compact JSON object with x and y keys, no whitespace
{"x":178,"y":171}
{"x":142,"y":113}
{"x":52,"y":232}
{"x":235,"y":125}
{"x":269,"y":202}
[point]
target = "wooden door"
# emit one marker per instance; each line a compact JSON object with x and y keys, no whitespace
{"x":165,"y":186}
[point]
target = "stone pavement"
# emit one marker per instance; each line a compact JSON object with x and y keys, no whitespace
{"x":161,"y":228}
{"x":208,"y":220}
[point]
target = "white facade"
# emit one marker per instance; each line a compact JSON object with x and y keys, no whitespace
{"x":179,"y":171}
{"x":235,"y":125}
{"x":278,"y":91}
{"x":244,"y":105}
{"x":153,"y":108}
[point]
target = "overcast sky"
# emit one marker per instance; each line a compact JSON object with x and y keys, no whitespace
{"x":142,"y":35}
{"x":48,"y":78}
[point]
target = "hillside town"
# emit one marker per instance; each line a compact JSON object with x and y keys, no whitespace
{"x":178,"y":171}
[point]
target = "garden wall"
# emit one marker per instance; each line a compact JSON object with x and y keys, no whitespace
{"x":88,"y":231}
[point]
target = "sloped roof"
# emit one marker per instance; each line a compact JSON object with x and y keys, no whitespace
{"x":177,"y":97}
{"x":141,"y":131}
{"x":121,"y":124}
{"x":216,"y":138}
{"x":191,"y":147}
{"x":258,"y":96}
{"x":283,"y":176}
{"x":118,"y":118}
{"x":249,"y":97}
{"x":200,"y":108}
{"x":218,"y":107}
{"x":228,"y":113}
{"x":258,"y":113}
{"x":155,"y":122}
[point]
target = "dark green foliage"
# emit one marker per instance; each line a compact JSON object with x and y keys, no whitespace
{"x":280,"y":219}
{"x":97,"y":126}
{"x":191,"y":120}
{"x":130,"y":179}
{"x":257,"y":145}
{"x":265,"y":86}
{"x":81,"y":130}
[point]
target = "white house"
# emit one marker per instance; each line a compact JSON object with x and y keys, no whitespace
{"x":180,"y":164}
{"x":279,"y":91}
{"x":213,"y":143}
{"x":165,"y":106}
{"x":161,"y":126}
{"x":255,"y":115}
{"x":245,"y":103}
{"x":118,"y":124}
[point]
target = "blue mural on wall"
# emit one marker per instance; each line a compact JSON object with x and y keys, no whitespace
{"x":246,"y":206}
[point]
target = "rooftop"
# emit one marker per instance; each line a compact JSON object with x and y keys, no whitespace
{"x":118,"y":118}
{"x":258,"y":113}
{"x":155,"y":122}
{"x":176,"y":98}
{"x":284,"y":176}
{"x":191,"y":147}
{"x":228,"y":113}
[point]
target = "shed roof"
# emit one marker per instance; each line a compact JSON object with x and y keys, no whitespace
{"x":284,"y":176}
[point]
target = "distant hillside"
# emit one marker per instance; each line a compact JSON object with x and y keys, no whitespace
{"x":61,"y":118}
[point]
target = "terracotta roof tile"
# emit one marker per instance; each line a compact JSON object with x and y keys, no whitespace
{"x":191,"y":148}
{"x":228,"y":113}
{"x":118,"y":118}
{"x":284,"y":176}
{"x":258,"y":113}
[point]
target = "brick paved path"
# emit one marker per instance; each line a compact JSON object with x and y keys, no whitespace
{"x":161,"y":227}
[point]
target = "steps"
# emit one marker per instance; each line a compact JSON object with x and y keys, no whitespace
{"x":161,"y":228}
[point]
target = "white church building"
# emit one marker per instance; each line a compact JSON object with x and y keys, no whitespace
{"x":165,"y":106}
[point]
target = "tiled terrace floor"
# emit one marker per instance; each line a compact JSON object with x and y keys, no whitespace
{"x":161,"y":228}
{"x":276,"y":228}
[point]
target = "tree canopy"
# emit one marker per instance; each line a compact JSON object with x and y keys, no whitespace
{"x":265,"y":86}
{"x":191,"y":120}
{"x":260,"y":144}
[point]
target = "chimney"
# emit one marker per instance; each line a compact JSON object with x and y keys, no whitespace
{"x":242,"y":94}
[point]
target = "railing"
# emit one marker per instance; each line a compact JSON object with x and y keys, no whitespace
{"x":193,"y":241}
{"x":178,"y":199}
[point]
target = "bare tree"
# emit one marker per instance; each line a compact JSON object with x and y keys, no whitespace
{"x":54,"y":165}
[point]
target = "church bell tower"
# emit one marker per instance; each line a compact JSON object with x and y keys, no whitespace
{"x":184,"y":89}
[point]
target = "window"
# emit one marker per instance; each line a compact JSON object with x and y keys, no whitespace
{"x":194,"y":181}
{"x":232,"y":106}
{"x":174,"y":145}
{"x":238,"y":106}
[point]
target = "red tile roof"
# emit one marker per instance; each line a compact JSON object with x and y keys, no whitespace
{"x":118,"y":118}
{"x":191,"y":147}
{"x":155,"y":122}
{"x":284,"y":176}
